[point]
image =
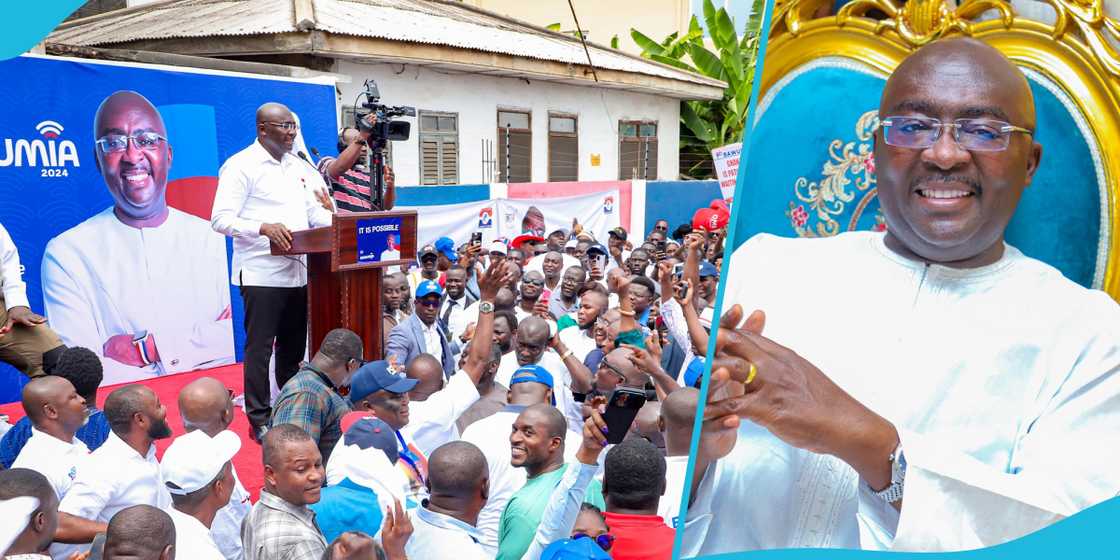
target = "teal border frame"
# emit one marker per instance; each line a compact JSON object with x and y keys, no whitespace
{"x":744,"y":161}
{"x":31,"y":22}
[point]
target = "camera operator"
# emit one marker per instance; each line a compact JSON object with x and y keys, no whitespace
{"x":349,"y":173}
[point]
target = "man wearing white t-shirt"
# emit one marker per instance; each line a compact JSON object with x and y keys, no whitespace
{"x":198,"y":473}
{"x":532,"y":348}
{"x":678,"y":411}
{"x":56,"y":412}
{"x":123,"y":472}
{"x":436,"y":405}
{"x":580,"y":338}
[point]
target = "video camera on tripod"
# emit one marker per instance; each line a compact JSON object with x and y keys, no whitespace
{"x":385,"y":129}
{"x":382,"y":132}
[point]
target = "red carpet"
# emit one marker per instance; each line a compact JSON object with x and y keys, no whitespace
{"x":248,"y":460}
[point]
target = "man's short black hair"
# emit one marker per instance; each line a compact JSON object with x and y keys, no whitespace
{"x":509,"y":316}
{"x":122,"y":404}
{"x":140,"y":531}
{"x":279,"y":436}
{"x":83,"y":369}
{"x":341,"y":345}
{"x":18,"y":482}
{"x":455,"y":469}
{"x":342,"y":144}
{"x":646,"y":282}
{"x":681,"y":231}
{"x":634,"y":476}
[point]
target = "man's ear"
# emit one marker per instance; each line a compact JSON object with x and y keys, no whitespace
{"x":168,"y":553}
{"x":39,"y":521}
{"x":1032,"y":162}
{"x":269,"y":475}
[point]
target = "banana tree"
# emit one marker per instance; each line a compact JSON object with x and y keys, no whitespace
{"x":711,"y":124}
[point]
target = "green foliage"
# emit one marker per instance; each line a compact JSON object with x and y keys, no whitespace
{"x":711,"y":124}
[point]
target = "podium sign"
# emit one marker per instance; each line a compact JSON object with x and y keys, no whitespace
{"x":344,"y":262}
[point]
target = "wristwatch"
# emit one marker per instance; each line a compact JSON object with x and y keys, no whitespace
{"x":893,"y":493}
{"x":485,"y":307}
{"x":139,"y":341}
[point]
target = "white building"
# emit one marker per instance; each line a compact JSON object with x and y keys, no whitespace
{"x":498,"y":100}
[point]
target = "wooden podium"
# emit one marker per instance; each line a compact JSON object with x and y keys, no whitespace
{"x":343,"y":292}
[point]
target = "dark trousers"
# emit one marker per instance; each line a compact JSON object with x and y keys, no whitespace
{"x":271,"y":314}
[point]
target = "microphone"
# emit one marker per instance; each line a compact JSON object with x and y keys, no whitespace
{"x":314,"y":152}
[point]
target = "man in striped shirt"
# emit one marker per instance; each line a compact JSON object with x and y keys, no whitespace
{"x":349,"y":173}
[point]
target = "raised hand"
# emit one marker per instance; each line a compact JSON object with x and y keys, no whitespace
{"x":687,"y":295}
{"x":642,"y":359}
{"x":594,"y":433}
{"x":493,"y":279}
{"x":395,"y":531}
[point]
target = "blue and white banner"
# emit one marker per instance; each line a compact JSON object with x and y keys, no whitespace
{"x":108,"y":174}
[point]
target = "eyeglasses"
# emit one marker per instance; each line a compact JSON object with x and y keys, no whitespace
{"x":605,"y":364}
{"x":533,"y":282}
{"x":285,"y":126}
{"x":919,"y":133}
{"x":605,"y":541}
{"x":112,"y":143}
{"x":428,"y":302}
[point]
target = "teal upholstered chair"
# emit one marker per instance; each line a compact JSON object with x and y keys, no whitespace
{"x":809,"y":171}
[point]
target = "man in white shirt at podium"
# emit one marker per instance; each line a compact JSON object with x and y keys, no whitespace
{"x":264,"y":194}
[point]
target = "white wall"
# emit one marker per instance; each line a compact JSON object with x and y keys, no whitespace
{"x":476,"y":99}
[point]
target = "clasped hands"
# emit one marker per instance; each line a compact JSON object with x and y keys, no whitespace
{"x":791,"y":398}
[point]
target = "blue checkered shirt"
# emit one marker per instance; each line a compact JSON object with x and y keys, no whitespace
{"x":310,"y":403}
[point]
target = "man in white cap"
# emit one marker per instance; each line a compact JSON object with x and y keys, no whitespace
{"x":29,"y":510}
{"x":206,"y":405}
{"x":198,"y":472}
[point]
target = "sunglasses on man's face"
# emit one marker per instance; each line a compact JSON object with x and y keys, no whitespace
{"x":605,"y":541}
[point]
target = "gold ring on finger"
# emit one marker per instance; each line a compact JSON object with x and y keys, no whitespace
{"x":753,"y":371}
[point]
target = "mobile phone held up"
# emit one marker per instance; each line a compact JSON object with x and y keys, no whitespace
{"x":476,"y":239}
{"x":622,"y":409}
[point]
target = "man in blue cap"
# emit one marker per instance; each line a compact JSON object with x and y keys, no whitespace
{"x":445,"y":253}
{"x":575,"y":549}
{"x":377,"y":390}
{"x":353,"y":499}
{"x":421,"y":333}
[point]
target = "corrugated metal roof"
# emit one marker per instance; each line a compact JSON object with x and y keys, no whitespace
{"x":449,"y":24}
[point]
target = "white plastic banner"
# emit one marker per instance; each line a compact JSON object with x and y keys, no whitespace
{"x":457,"y":221}
{"x":598,"y":213}
{"x":508,"y":218}
{"x":726,"y":161}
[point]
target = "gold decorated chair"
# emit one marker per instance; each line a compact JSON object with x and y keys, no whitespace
{"x":809,"y":171}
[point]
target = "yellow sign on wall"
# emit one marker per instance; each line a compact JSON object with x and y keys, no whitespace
{"x":595,"y":159}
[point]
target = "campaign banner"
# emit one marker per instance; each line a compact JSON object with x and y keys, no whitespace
{"x":508,"y":218}
{"x":726,"y":160}
{"x":457,"y":221}
{"x":109,"y":172}
{"x":598,"y":213}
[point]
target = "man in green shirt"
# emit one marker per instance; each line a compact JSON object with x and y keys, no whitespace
{"x":537,"y":444}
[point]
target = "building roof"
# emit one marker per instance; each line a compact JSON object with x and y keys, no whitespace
{"x":465,"y":38}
